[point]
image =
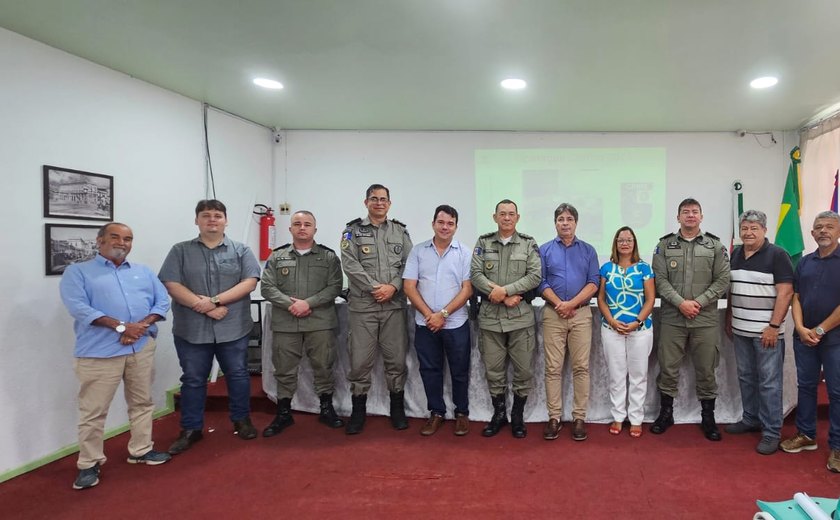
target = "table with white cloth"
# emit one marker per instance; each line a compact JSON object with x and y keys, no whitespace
{"x":686,"y":405}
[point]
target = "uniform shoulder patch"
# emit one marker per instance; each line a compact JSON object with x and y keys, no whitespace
{"x":488,"y":235}
{"x":669,"y":235}
{"x":284,"y":246}
{"x":354,"y":221}
{"x":711,"y":236}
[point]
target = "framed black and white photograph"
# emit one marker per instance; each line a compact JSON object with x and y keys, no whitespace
{"x":77,"y":194}
{"x":68,"y":244}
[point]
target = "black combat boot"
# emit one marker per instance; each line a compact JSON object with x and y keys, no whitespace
{"x":283,"y":419}
{"x":499,"y":418}
{"x":328,"y":415}
{"x":666,"y":414}
{"x":517,"y":422}
{"x":357,"y":417}
{"x":398,"y":419}
{"x":707,"y":413}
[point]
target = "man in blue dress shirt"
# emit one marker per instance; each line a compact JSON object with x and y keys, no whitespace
{"x":115,"y":304}
{"x":569,"y":280}
{"x":437,"y":281}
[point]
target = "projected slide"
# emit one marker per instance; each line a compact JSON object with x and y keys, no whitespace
{"x":610,"y":187}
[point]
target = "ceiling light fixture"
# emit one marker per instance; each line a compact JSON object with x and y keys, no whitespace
{"x":514,"y":84}
{"x":764,"y":82}
{"x":268,"y":83}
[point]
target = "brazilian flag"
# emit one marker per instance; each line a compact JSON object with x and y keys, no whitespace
{"x":789,"y":232}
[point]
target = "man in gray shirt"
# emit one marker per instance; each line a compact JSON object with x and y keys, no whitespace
{"x":210,"y":279}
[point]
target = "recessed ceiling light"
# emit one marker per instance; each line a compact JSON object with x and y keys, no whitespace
{"x":514,"y":84}
{"x":268,"y":83}
{"x":765,"y":82}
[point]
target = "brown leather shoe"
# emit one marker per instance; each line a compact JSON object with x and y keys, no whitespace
{"x":432,"y":425}
{"x":579,"y":430}
{"x":462,"y":424}
{"x":552,"y":429}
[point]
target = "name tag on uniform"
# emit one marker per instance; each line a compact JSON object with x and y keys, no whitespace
{"x":364,"y":232}
{"x":674,"y":245}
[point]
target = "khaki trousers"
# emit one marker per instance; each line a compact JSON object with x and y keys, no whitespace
{"x":289,"y":347}
{"x":99,"y":379}
{"x":560,"y":334}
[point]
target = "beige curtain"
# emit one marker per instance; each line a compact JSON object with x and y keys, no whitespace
{"x":820,"y":146}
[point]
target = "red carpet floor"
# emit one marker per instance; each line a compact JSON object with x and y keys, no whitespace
{"x":310,"y":471}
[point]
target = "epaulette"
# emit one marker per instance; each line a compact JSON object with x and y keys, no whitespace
{"x":669,"y":235}
{"x":284,"y":246}
{"x":526,"y":237}
{"x":322,"y":246}
{"x":487,"y":235}
{"x":711,"y":235}
{"x":395,"y":221}
{"x":354,"y":221}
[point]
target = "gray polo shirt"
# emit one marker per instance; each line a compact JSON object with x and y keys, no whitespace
{"x":209,"y":272}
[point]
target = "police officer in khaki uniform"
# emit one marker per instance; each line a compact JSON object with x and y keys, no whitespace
{"x":692,"y":273}
{"x":506,"y":265}
{"x":373,"y":255}
{"x":302,"y":280}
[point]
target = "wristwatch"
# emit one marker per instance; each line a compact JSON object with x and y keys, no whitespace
{"x":774,"y":326}
{"x":820,"y":331}
{"x":120,"y":328}
{"x":444,"y":313}
{"x":215,"y":301}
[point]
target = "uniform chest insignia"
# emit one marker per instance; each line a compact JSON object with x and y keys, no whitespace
{"x":284,"y":271}
{"x":673,"y":245}
{"x":489,"y":265}
{"x":364,"y":232}
{"x":673,"y":264}
{"x":398,"y":248}
{"x":366,"y":250}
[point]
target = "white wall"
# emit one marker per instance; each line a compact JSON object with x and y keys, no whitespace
{"x":328,"y":172}
{"x":65,"y":111}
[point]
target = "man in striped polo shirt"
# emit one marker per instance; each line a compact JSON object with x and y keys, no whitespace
{"x":760,"y":294}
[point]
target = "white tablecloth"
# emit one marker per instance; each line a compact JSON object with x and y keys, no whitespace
{"x":686,"y":408}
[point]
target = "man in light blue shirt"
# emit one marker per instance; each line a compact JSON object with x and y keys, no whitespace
{"x":437,"y":282}
{"x":115,"y":305}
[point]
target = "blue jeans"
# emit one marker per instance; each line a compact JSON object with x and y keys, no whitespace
{"x":196,"y":361}
{"x":760,"y":377}
{"x":808,"y":363}
{"x":431,"y":348}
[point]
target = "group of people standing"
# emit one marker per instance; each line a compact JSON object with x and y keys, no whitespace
{"x":116,"y":303}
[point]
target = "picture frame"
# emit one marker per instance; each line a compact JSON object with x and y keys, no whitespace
{"x":76,"y":194}
{"x":67,"y":244}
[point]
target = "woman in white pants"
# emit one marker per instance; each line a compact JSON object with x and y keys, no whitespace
{"x":626,"y":301}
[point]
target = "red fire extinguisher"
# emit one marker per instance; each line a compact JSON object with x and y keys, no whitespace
{"x":267,"y":230}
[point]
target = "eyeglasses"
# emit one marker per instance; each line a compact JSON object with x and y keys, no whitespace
{"x":624,"y":241}
{"x":377,"y":200}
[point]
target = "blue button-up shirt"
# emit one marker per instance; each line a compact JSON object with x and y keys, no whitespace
{"x":568,"y":269}
{"x":128,"y":292}
{"x":817,"y":281}
{"x":439,"y":277}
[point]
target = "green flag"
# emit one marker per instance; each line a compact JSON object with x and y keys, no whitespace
{"x":789,"y":232}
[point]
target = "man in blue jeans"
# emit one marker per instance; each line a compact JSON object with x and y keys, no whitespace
{"x":816,"y":342}
{"x":210,"y":279}
{"x":759,"y":297}
{"x":437,"y":282}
